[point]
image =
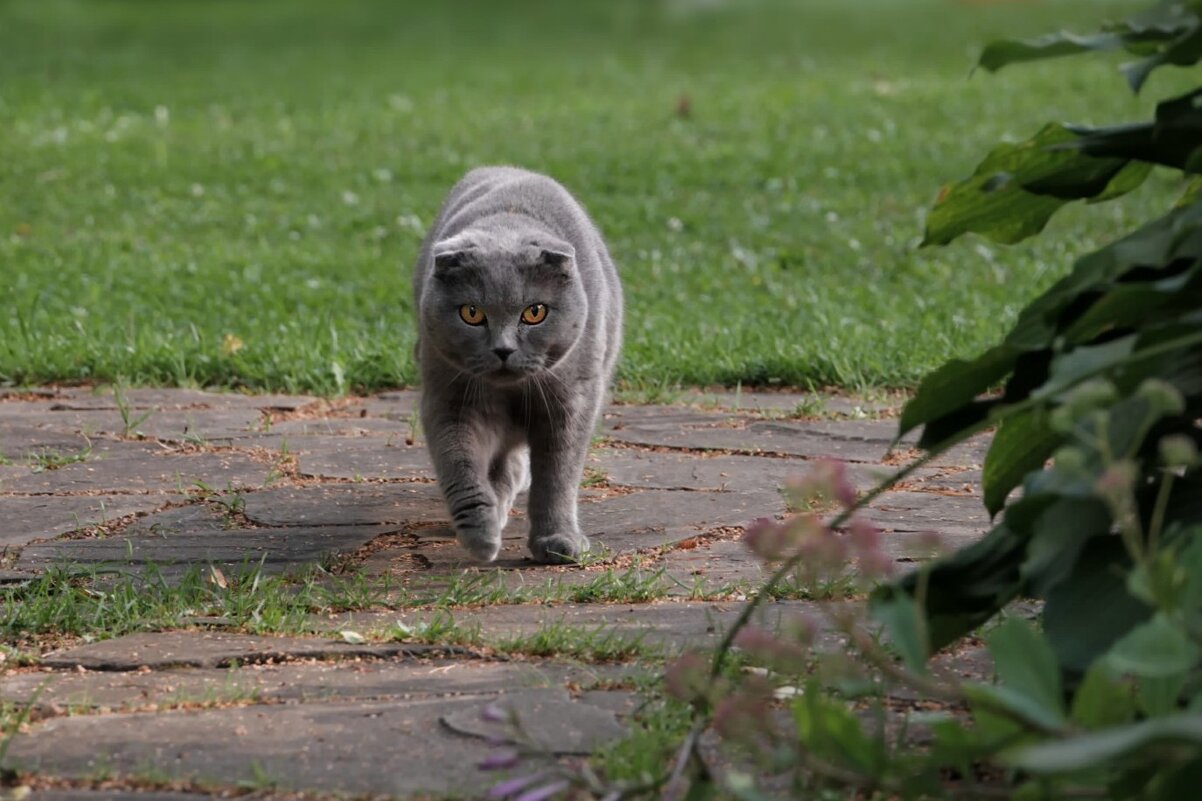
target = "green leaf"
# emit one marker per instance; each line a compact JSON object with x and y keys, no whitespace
{"x":954,"y":385}
{"x":1102,"y":700}
{"x":999,"y":53}
{"x":1126,"y":306}
{"x":1152,"y":248}
{"x":1172,"y":139}
{"x":1026,"y":666}
{"x":1179,"y":783}
{"x":1057,"y":534}
{"x":1024,"y":707}
{"x":1183,"y":51}
{"x":1159,"y":695}
{"x":962,"y":590}
{"x":1087,"y":612}
{"x":998,"y":201}
{"x":1085,"y":361}
{"x":1157,"y":648}
{"x":906,"y":628}
{"x":1022,"y":444}
{"x":1152,"y":738}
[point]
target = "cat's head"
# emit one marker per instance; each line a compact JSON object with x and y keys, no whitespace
{"x":503,"y":308}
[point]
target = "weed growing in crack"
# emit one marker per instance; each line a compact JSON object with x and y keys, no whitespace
{"x":98,"y":604}
{"x":130,"y":420}
{"x":440,"y":629}
{"x":52,"y":460}
{"x":597,"y":644}
{"x":633,"y":585}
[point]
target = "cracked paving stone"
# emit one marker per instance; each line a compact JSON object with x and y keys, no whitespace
{"x":213,"y":649}
{"x":789,"y":403}
{"x":361,"y":458}
{"x":928,"y":511}
{"x":850,"y":440}
{"x":27,"y":518}
{"x":345,"y":505}
{"x":169,"y":425}
{"x":344,"y":680}
{"x":82,"y":398}
{"x":24,"y":442}
{"x":176,"y":541}
{"x":685,"y":471}
{"x":615,"y":524}
{"x":673,"y":625}
{"x":142,"y":467}
{"x":398,"y":747}
{"x":87,"y":794}
{"x":551,"y":720}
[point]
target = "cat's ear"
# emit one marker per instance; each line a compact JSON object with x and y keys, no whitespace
{"x":452,"y":252}
{"x":555,"y":253}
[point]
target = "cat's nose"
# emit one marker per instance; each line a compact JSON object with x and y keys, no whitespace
{"x":503,"y":353}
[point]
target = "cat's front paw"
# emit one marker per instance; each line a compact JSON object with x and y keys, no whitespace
{"x":480,"y":549}
{"x":480,"y":535}
{"x":558,"y":549}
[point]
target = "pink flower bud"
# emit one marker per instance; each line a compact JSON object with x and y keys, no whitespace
{"x":769,"y":539}
{"x":688,"y":677}
{"x":765,"y":647}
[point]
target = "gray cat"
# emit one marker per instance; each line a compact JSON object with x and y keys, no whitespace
{"x":519,"y":326}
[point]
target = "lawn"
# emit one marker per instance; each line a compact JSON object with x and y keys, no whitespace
{"x":232,"y":193}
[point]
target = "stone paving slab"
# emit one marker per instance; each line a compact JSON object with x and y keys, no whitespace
{"x":24,"y":442}
{"x":802,"y":404}
{"x":349,"y":679}
{"x":672,"y":625}
{"x":551,"y":720}
{"x":88,"y":794}
{"x":30,"y":517}
{"x":381,"y":747}
{"x":347,"y":479}
{"x":58,"y":398}
{"x":346,"y":505}
{"x":355,"y":458}
{"x":213,"y":649}
{"x":143,"y":467}
{"x":208,"y":542}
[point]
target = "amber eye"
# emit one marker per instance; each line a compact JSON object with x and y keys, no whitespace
{"x":534,"y":314}
{"x":471,"y":314}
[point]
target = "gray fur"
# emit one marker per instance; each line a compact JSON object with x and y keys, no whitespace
{"x":505,"y":239}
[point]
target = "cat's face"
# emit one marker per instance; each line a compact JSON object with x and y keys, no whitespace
{"x":503,"y":314}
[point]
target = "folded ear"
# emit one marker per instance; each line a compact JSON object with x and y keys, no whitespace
{"x":451,"y":252}
{"x":554,"y":252}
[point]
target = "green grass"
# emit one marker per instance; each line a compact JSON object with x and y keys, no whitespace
{"x":228,"y":193}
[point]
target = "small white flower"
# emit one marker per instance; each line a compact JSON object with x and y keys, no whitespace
{"x":410,"y":222}
{"x":675,"y":224}
{"x":162,"y":116}
{"x":350,"y":198}
{"x":197,"y":190}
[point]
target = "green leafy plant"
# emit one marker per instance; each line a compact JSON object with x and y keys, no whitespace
{"x":1096,"y":395}
{"x":1094,"y":476}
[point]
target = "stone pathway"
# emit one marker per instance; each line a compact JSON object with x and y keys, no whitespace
{"x":159,"y":491}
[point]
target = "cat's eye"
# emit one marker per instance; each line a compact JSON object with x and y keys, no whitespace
{"x":534,"y":314}
{"x":472,"y":315}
